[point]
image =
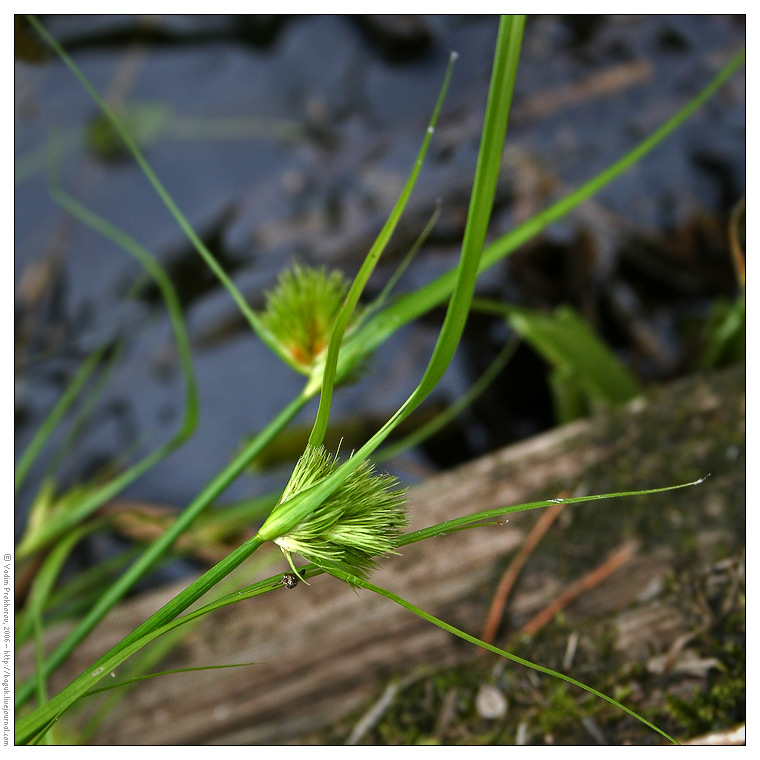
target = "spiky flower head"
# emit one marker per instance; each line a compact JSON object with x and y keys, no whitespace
{"x":359,"y":521}
{"x":300,"y":311}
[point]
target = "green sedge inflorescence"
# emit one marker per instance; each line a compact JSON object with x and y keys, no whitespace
{"x":300,"y":311}
{"x":359,"y":521}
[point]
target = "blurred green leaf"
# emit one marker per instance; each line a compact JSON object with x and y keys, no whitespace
{"x":583,"y":364}
{"x":725,"y":339}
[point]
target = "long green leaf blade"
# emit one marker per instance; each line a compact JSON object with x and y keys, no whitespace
{"x":41,"y":437}
{"x":163,"y":194}
{"x":60,"y":523}
{"x":564,"y":339}
{"x":354,"y":581}
{"x":506,"y":59}
{"x":409,"y":307}
{"x":30,"y":726}
{"x":367,"y":267}
{"x":157,"y":549}
{"x":440,"y":421}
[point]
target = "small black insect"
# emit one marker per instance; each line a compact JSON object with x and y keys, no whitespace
{"x":290,"y":580}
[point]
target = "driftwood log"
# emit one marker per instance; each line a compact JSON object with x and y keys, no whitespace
{"x":324,"y":651}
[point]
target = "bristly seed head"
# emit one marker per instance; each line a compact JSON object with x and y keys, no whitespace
{"x":361,"y":520}
{"x":300,"y":311}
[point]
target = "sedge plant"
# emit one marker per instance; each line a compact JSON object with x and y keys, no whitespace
{"x":339,"y":516}
{"x":219,"y":483}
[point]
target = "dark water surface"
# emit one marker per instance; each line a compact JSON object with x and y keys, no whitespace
{"x":347,"y":102}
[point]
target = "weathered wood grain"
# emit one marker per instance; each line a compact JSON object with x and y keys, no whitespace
{"x":325,"y":650}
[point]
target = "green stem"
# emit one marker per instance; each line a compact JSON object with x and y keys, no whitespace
{"x":163,"y":194}
{"x":352,"y":297}
{"x":84,"y":414}
{"x":409,"y":307}
{"x":30,"y":726}
{"x":288,"y":514}
{"x":63,"y":521}
{"x":147,"y":676}
{"x":155,"y":551}
{"x":40,"y":438}
{"x":72,"y":594}
{"x":458,"y":523}
{"x":33,"y":162}
{"x":385,"y":293}
{"x":440,"y":421}
{"x":355,"y":581}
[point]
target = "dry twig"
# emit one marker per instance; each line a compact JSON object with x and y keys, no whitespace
{"x":615,"y":561}
{"x":507,"y":581}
